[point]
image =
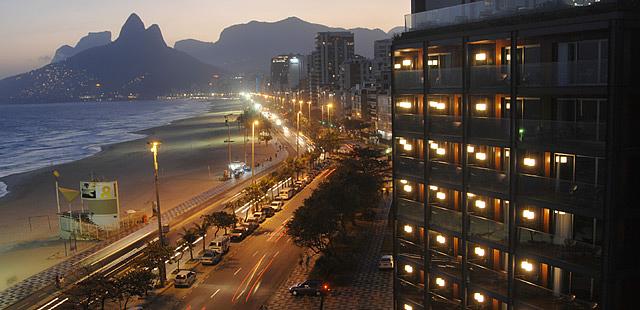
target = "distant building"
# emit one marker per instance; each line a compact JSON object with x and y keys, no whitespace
{"x":332,"y":49}
{"x":287,"y":71}
{"x":356,"y":71}
{"x":382,"y":63}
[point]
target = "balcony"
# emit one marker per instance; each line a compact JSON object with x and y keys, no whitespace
{"x":409,"y":293}
{"x":445,"y":172}
{"x":531,"y":296}
{"x":410,"y":167}
{"x":487,"y":229}
{"x":446,"y":125}
{"x":563,"y":133}
{"x":489,"y":128}
{"x":558,"y":74}
{"x":411,"y":123}
{"x":443,"y":303}
{"x":410,"y":210}
{"x":445,"y":77}
{"x":490,"y":76}
{"x":488,"y":180}
{"x":445,"y":264}
{"x":576,"y":194}
{"x":408,"y":80}
{"x":488,"y":279}
{"x":484,"y":11}
{"x":558,"y":248}
{"x":446,"y":219}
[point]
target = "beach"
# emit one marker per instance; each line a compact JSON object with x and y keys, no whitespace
{"x":191,"y":159}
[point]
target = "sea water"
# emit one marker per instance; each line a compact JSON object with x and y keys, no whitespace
{"x":33,"y":136}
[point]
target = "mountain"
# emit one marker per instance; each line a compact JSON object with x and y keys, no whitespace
{"x":93,"y":39}
{"x":247,"y":47}
{"x":138,"y":64}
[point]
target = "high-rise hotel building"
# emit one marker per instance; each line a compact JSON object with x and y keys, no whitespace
{"x":516,"y":155}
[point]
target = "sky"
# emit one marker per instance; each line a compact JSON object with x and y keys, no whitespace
{"x":31,"y":30}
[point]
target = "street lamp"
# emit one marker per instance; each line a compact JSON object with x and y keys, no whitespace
{"x":298,"y":134}
{"x":253,"y":138}
{"x":322,"y":115}
{"x":329,"y":106}
{"x":309,"y":104}
{"x":154,"y":150}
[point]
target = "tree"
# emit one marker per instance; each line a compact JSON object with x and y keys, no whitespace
{"x":253,"y":194}
{"x":222,"y":220}
{"x":94,"y":289}
{"x":189,"y":236}
{"x":313,"y":225}
{"x":137,"y":282}
{"x":201,"y":231}
{"x":328,"y":141}
{"x":155,"y":256}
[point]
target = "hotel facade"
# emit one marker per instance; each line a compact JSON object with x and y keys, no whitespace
{"x":515,"y":155}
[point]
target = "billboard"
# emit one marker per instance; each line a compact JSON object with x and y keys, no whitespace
{"x":98,"y":190}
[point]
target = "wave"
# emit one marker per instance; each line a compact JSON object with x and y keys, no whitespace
{"x":3,"y":189}
{"x":61,"y":133}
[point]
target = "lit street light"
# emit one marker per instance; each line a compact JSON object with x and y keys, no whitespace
{"x":154,"y":150}
{"x":253,"y":138}
{"x":298,"y":135}
{"x":309,"y":104}
{"x":329,"y":106}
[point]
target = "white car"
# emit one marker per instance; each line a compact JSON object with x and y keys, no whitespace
{"x":386,"y":262}
{"x":185,"y":278}
{"x":277,"y":205}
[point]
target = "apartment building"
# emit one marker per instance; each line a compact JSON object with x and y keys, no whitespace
{"x":515,"y":155}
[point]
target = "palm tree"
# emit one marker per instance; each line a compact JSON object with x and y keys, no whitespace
{"x":201,"y":230}
{"x":189,"y":236}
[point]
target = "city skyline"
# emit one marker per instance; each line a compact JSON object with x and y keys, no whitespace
{"x":31,"y":38}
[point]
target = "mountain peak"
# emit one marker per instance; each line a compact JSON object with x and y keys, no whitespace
{"x":132,"y":27}
{"x":155,"y":35}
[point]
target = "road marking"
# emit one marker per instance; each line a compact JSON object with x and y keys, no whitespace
{"x":214,"y":294}
{"x":235,"y":273}
{"x":276,"y":254}
{"x":254,"y":254}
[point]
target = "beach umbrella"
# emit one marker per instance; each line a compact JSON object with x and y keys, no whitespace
{"x":69,"y":194}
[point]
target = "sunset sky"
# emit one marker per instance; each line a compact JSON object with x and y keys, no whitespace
{"x":31,"y":30}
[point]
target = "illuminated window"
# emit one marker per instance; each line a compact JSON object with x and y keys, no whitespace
{"x":408,"y":268}
{"x":528,"y":214}
{"x":561,"y":159}
{"x":441,"y":151}
{"x":470,"y":149}
{"x":408,"y":147}
{"x":441,"y":239}
{"x":433,"y":146}
{"x":526,"y":266}
{"x":441,"y":195}
{"x":481,"y":106}
{"x":481,"y":56}
{"x":408,"y":229}
{"x":479,"y":251}
{"x":402,"y":141}
{"x":480,"y":204}
{"x":528,"y":161}
{"x":478,"y":297}
{"x":481,"y":156}
{"x":403,"y":181}
{"x":440,"y":282}
{"x":407,"y":188}
{"x":433,"y":187}
{"x":407,"y":307}
{"x":407,"y":63}
{"x":404,"y":104}
{"x":397,"y":66}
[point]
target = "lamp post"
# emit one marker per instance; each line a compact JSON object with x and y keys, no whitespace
{"x":253,"y":138}
{"x":154,"y":150}
{"x":329,"y":106}
{"x":309,"y":104}
{"x":322,"y":114}
{"x":298,"y":134}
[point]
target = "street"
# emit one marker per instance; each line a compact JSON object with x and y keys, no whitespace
{"x":250,"y":272}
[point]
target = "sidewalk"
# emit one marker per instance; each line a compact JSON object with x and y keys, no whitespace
{"x":371,"y":289}
{"x":41,"y":285}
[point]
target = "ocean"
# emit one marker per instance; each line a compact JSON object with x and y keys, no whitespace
{"x":40,"y":135}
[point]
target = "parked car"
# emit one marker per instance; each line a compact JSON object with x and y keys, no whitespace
{"x":309,"y":287}
{"x":259,"y":216}
{"x":185,"y":278}
{"x":286,"y":193}
{"x":277,"y":205}
{"x":239,"y":233}
{"x":251,"y":226}
{"x":385,"y":262}
{"x":220,"y":244}
{"x":268,"y":211}
{"x":211,"y":257}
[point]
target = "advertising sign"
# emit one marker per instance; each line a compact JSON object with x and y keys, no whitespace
{"x":98,"y":190}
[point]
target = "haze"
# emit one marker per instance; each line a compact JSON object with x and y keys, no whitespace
{"x":31,"y":30}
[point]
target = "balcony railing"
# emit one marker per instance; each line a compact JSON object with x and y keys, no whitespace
{"x":412,"y":123}
{"x":562,"y":133}
{"x":488,"y":179}
{"x":577,"y":194}
{"x":487,"y":229}
{"x":533,"y":296}
{"x":551,"y":74}
{"x":489,"y":128}
{"x":556,"y":247}
{"x":445,"y":218}
{"x":448,"y":125}
{"x":410,"y":210}
{"x":445,"y":264}
{"x":490,"y":76}
{"x":441,"y":302}
{"x":413,"y":293}
{"x":445,"y":77}
{"x":445,"y":172}
{"x":488,"y":279}
{"x":483,"y":11}
{"x":410,"y":167}
{"x":408,"y":80}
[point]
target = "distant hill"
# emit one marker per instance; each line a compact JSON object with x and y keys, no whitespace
{"x":93,"y":39}
{"x":138,"y":64}
{"x":249,"y":47}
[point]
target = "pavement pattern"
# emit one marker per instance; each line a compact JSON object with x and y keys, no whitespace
{"x":371,"y":289}
{"x":43,"y":282}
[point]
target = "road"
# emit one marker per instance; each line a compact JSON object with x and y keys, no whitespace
{"x":250,"y":272}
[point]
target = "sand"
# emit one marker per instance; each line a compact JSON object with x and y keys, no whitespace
{"x":192,"y":158}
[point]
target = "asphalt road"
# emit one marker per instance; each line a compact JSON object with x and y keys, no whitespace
{"x":250,"y":272}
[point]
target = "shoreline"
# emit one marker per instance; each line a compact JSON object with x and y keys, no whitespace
{"x":191,"y":159}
